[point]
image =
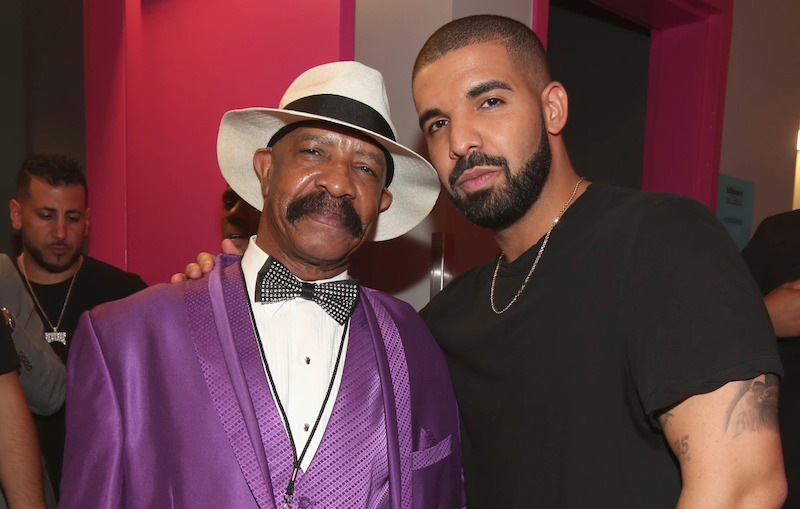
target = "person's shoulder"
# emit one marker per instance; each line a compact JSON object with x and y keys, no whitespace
{"x":6,"y":265}
{"x":462,"y":288}
{"x":152,"y":301}
{"x":655,"y":201}
{"x":114,"y":275}
{"x":653,"y":209}
{"x":785,"y":221}
{"x":392,"y":304}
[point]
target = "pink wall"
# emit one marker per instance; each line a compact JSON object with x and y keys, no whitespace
{"x":159,"y":76}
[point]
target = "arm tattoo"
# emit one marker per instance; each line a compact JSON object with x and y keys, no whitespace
{"x":755,"y":407}
{"x":664,"y":419}
{"x":681,"y":448}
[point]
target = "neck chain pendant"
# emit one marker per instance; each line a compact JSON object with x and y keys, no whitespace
{"x":56,"y":337}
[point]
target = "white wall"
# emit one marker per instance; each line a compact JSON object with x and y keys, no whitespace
{"x":762,"y":104}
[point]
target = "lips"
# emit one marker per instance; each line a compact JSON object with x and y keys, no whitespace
{"x":476,"y":178}
{"x":58,"y":249}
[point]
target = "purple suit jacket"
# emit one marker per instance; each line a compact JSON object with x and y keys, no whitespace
{"x":161,"y":413}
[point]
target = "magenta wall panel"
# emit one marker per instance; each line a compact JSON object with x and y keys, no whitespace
{"x":159,"y":76}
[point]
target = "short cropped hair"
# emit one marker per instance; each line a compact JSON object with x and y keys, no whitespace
{"x":523,"y":46}
{"x":55,"y":169}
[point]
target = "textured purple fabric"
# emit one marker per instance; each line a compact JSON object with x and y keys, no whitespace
{"x":354,"y":443}
{"x":239,"y":395}
{"x":399,"y":387}
{"x":163,"y":409}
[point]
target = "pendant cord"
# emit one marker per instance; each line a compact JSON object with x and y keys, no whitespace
{"x":535,"y":261}
{"x":36,"y":300}
{"x":296,"y":461}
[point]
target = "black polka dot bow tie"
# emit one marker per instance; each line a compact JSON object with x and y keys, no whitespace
{"x":275,"y":283}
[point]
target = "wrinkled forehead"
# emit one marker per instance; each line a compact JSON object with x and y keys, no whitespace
{"x":322,"y":131}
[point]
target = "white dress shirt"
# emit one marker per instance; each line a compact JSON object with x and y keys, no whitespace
{"x":300,"y":342}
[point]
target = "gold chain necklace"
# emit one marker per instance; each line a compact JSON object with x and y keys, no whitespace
{"x":55,"y":335}
{"x":535,"y":262}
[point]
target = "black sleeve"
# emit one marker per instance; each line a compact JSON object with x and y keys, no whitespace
{"x":8,"y":354}
{"x":698,"y":319}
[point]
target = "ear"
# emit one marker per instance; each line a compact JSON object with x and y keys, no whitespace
{"x":554,"y":107}
{"x":86,"y":216}
{"x":386,"y":200}
{"x":15,"y":211}
{"x":262,"y":164}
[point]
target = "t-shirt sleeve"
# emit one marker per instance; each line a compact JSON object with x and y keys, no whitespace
{"x":698,"y":319}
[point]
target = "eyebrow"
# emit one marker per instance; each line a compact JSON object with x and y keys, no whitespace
{"x":325,"y":139}
{"x":377,"y":158}
{"x":52,"y":209}
{"x":480,"y":88}
{"x":487,"y":86}
{"x":427,"y":115}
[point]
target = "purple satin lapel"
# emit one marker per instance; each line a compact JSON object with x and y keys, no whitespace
{"x":228,"y":378}
{"x":397,"y":400}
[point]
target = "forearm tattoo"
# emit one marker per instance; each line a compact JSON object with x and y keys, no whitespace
{"x":755,"y":407}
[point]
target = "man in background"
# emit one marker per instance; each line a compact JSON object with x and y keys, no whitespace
{"x":52,"y":215}
{"x":239,"y":219}
{"x":773,"y":255}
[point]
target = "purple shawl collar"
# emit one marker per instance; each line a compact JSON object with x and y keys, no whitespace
{"x":230,"y":360}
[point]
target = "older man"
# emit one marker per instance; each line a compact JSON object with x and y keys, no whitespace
{"x":276,"y":381}
{"x":613,"y":327}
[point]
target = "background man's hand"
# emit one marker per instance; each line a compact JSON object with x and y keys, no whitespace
{"x":783,"y":304}
{"x":205,"y":262}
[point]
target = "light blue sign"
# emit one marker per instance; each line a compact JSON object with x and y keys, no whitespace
{"x":735,"y":207}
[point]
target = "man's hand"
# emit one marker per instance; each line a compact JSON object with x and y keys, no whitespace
{"x":783,"y":304}
{"x":205,"y":262}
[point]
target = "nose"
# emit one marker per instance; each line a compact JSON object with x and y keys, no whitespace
{"x":464,"y":138}
{"x":60,"y":228}
{"x":337,"y":179}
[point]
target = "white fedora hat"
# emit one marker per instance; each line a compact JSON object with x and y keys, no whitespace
{"x":343,"y":93}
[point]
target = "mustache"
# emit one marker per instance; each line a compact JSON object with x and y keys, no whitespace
{"x":465,"y":163}
{"x":322,"y":202}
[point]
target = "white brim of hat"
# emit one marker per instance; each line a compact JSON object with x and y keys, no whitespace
{"x":415,"y":186}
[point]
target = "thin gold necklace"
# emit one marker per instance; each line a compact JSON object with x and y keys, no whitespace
{"x":55,"y":336}
{"x":535,"y":262}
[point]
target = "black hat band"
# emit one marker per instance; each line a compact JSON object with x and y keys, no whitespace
{"x":346,"y":110}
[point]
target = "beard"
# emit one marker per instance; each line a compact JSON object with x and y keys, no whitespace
{"x":324,"y":203}
{"x":54,"y":268}
{"x":499,"y":208}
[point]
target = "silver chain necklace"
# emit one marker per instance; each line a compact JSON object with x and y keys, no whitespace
{"x":535,"y":262}
{"x":55,"y":336}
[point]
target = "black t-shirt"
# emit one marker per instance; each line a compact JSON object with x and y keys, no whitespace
{"x":8,"y":354}
{"x":95,"y":283}
{"x":639,"y":301}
